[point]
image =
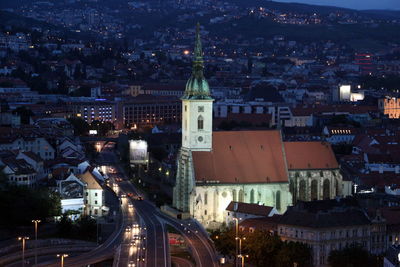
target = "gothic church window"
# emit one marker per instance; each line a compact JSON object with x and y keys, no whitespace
{"x":205,"y":198}
{"x":252,"y":196}
{"x":326,"y":189}
{"x":200,"y":123}
{"x":336,"y":187}
{"x":302,"y":190}
{"x":314,"y":190}
{"x":241,"y":196}
{"x":278,"y":200}
{"x":234,"y":195}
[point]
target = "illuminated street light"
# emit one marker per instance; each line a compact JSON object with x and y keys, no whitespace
{"x":23,"y":239}
{"x":236,"y":239}
{"x":36,"y":226}
{"x":62,"y":256}
{"x":242,"y":257}
{"x":240,"y":243}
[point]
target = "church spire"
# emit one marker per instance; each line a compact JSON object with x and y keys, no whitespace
{"x":198,"y":63}
{"x":197,"y":86}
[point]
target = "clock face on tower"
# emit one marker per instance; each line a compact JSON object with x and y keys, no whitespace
{"x":200,"y":138}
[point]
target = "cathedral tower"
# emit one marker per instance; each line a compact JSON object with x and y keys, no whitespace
{"x":197,"y":106}
{"x":196,"y":127}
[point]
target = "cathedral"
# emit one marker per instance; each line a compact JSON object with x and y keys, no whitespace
{"x":215,"y":168}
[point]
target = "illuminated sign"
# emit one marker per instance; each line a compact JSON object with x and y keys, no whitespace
{"x":138,"y":152}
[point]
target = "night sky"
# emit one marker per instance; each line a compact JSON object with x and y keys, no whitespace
{"x":355,"y":4}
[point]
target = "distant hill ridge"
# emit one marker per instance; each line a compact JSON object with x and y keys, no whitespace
{"x":320,"y":9}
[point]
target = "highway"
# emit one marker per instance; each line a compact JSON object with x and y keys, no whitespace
{"x":140,"y":238}
{"x":157,"y":239}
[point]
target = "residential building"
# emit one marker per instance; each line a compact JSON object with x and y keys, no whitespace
{"x":329,"y":225}
{"x":18,"y":171}
{"x":390,"y":106}
{"x":94,"y":204}
{"x":37,"y":145}
{"x":151,"y":110}
{"x":98,"y":110}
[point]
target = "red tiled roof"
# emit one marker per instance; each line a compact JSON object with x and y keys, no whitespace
{"x":310,"y":155}
{"x":242,"y":157}
{"x":90,"y":180}
{"x":262,"y":224}
{"x":247,"y":208}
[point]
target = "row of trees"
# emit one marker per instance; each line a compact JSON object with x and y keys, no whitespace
{"x":263,"y":248}
{"x":84,"y":228}
{"x":20,"y":205}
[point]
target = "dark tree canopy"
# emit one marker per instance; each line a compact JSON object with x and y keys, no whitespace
{"x":20,"y":205}
{"x":352,"y":256}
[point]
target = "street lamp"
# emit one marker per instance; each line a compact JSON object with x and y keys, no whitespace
{"x":236,"y":239}
{"x":62,"y":256}
{"x":243,"y":256}
{"x":23,"y":239}
{"x":240,"y":243}
{"x":36,"y":227}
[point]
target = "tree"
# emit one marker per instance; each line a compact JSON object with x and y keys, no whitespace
{"x":352,"y":256}
{"x":224,"y":241}
{"x":87,"y":228}
{"x":20,"y":205}
{"x":81,"y":127}
{"x":294,"y":252}
{"x":64,"y":226}
{"x":262,"y":246}
{"x":102,"y":127}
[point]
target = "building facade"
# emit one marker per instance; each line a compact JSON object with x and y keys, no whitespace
{"x":390,"y":107}
{"x":95,"y":111}
{"x":330,"y":225}
{"x":93,"y":196}
{"x":151,"y":110}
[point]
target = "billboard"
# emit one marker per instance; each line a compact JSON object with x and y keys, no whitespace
{"x":344,"y":92}
{"x":138,"y":152}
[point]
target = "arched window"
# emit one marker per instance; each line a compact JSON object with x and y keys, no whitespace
{"x":234,"y":195}
{"x":200,"y":123}
{"x":205,"y":198}
{"x":241,"y":196}
{"x":326,"y":189}
{"x":336,"y":187}
{"x":252,"y":196}
{"x":314,"y":190}
{"x":302,"y":190}
{"x":292,"y":190}
{"x":278,"y":200}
